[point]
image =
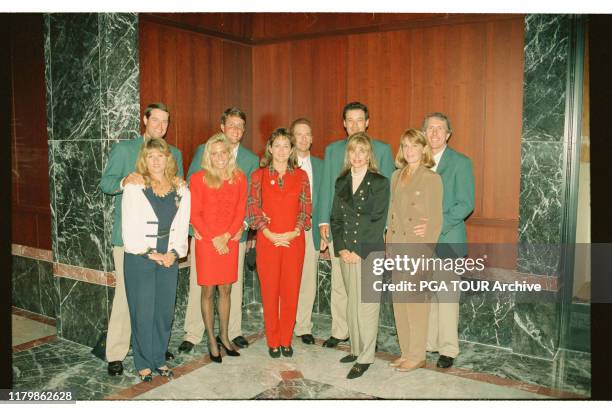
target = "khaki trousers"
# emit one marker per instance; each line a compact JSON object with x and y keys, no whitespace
{"x":339,"y":327}
{"x":362,"y":318}
{"x":443,"y":333}
{"x":308,"y":288}
{"x":119,"y":328}
{"x":411,"y":322}
{"x":194,"y":324}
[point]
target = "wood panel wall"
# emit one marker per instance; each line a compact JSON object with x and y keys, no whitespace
{"x":31,"y":212}
{"x":197,"y":76}
{"x":471,"y":71}
{"x":470,"y":68}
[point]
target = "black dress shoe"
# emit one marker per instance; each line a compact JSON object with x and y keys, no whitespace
{"x":357,"y":370}
{"x":185,"y":347}
{"x":333,"y":342}
{"x":115,"y":368}
{"x":230,"y":352}
{"x":169,"y":356}
{"x":274,"y":352}
{"x":287,"y":351}
{"x":241,"y":342}
{"x":165,"y":372}
{"x":445,"y":361}
{"x":348,"y":359}
{"x":307,"y":339}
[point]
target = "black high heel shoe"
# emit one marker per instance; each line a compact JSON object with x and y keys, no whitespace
{"x":230,"y":352}
{"x":146,"y":377}
{"x":216,"y":359}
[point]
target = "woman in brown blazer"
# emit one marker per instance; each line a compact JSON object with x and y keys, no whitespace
{"x":414,"y":222}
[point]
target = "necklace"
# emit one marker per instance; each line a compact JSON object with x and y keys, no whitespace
{"x":160,"y":190}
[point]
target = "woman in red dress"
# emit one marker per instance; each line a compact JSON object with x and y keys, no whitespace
{"x":279,"y":208}
{"x":218,"y":205}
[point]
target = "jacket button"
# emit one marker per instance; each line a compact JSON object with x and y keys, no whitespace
{"x":358,"y":215}
{"x":357,"y":223}
{"x":355,"y":241}
{"x":393,"y":232}
{"x":410,"y":219}
{"x":355,"y":232}
{"x":413,"y":204}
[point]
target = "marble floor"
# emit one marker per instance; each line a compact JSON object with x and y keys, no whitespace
{"x":480,"y":372}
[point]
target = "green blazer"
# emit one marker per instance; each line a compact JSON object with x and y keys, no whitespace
{"x":332,"y":165}
{"x":122,"y":162}
{"x":246,"y":161}
{"x":317,"y":176}
{"x":359,"y":218}
{"x":457,"y":204}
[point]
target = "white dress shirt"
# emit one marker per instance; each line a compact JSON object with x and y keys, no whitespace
{"x":437,"y":158}
{"x":306,"y":165}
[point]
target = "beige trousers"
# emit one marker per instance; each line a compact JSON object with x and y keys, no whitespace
{"x":362,"y":318}
{"x":443,"y":335}
{"x":119,"y":327}
{"x":339,"y":327}
{"x":194,"y":325}
{"x":411,"y":322}
{"x":308,"y":288}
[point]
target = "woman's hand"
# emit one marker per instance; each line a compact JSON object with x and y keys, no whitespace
{"x":291,"y":235}
{"x":179,"y":182}
{"x":349,"y":257}
{"x":277,"y":239}
{"x":156,"y":257}
{"x":220,"y":243}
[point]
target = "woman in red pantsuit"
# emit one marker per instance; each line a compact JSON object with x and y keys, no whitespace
{"x":279,"y":208}
{"x":218,"y":205}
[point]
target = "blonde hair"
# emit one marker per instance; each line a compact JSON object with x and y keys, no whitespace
{"x":214,"y":177}
{"x":156,"y":144}
{"x":359,"y":138}
{"x":414,"y":136}
{"x":266,"y":159}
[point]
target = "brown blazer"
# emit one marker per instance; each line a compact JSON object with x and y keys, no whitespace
{"x":421,"y":198}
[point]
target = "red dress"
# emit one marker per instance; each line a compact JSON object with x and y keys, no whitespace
{"x":288,"y":205}
{"x":214,"y":212}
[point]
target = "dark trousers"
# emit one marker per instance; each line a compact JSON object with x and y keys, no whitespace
{"x":151,"y":295}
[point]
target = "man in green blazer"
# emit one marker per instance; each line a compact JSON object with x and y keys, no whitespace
{"x":233,"y":122}
{"x":301,"y":130}
{"x":119,"y":171}
{"x":457,"y":175}
{"x":355,"y":118}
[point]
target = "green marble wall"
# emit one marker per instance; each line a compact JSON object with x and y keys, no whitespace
{"x":93,"y":100}
{"x":33,"y":287}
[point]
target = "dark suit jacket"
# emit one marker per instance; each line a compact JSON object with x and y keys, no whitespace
{"x":360,"y":218}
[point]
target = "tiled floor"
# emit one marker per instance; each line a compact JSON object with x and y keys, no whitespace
{"x":480,"y":372}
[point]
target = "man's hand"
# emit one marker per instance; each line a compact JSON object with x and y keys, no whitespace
{"x":168,"y":259}
{"x":324,"y":231}
{"x":134,"y":178}
{"x":157,"y":257}
{"x":419,"y":230}
{"x":196,"y":234}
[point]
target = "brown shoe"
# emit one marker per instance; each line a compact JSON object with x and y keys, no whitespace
{"x":408,"y":366}
{"x":397,"y":362}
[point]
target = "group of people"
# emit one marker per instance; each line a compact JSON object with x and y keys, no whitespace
{"x":298,"y":205}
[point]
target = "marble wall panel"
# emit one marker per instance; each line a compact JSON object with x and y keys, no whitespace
{"x":536,"y":328}
{"x":83,"y":311}
{"x":546,"y":59}
{"x":119,"y":73}
{"x":49,"y":290}
{"x":486,"y":317}
{"x":78,"y":204}
{"x":74,"y":60}
{"x":26,"y":284}
{"x":323,"y":299}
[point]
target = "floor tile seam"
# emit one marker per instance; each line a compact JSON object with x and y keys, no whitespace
{"x":34,"y":343}
{"x":33,"y":316}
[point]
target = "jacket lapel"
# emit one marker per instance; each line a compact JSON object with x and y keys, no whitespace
{"x":444,"y":160}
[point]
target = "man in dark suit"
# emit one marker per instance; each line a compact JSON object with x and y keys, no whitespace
{"x":455,"y":169}
{"x":356,"y":119}
{"x":119,"y":171}
{"x":233,"y":122}
{"x":301,"y":130}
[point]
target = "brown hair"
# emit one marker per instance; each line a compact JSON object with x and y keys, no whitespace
{"x":156,"y":144}
{"x":266,"y":159}
{"x":414,"y":136}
